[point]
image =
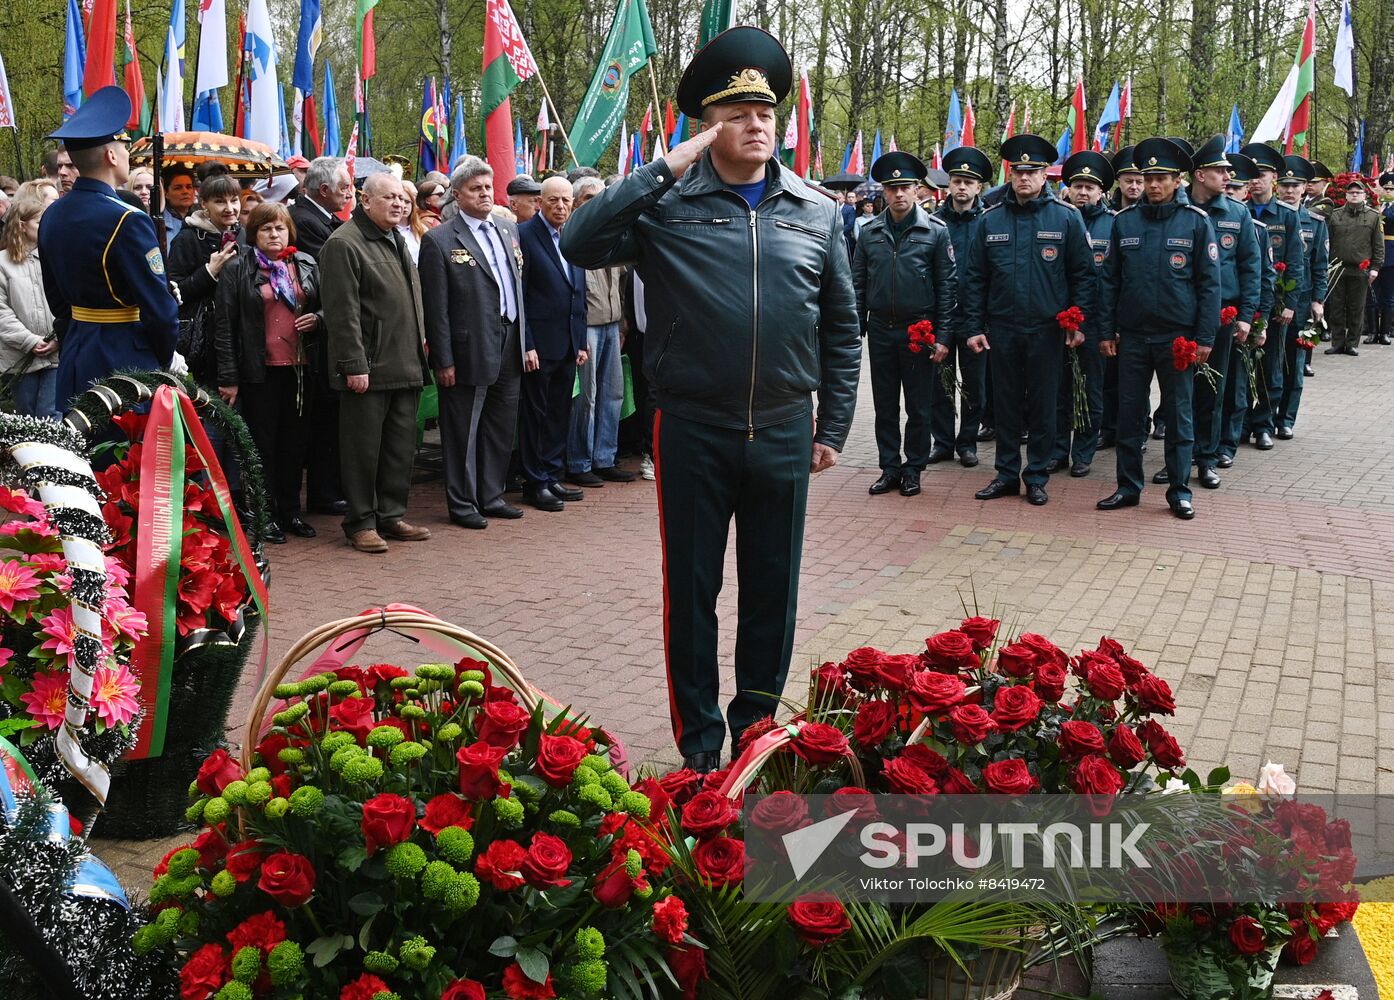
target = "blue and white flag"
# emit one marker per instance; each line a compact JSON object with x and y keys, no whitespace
{"x":264,"y":110}
{"x":1234,"y":136}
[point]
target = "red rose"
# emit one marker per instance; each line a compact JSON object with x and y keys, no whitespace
{"x":244,"y":858}
{"x":445,"y":810}
{"x":874,"y":722}
{"x":680,"y":785}
{"x":479,"y":771}
{"x":1015,"y":707}
{"x":211,"y":845}
{"x":779,"y":813}
{"x":353,"y":715}
{"x":830,"y":681}
{"x":503,"y":723}
{"x":927,"y":760}
{"x":818,"y":919}
{"x":1125,"y":748}
{"x":907,"y":779}
{"x":547,"y":861}
{"x":689,"y":965}
{"x":1050,"y":682}
{"x":614,"y":885}
{"x":659,"y":802}
{"x":1162,"y":745}
{"x":1096,"y":776}
{"x":852,"y":799}
{"x":1080,"y":739}
{"x":932,"y":692}
{"x":1017,"y":660}
{"x":720,"y":861}
{"x":269,"y":750}
{"x":1045,"y":650}
{"x":1009,"y":777}
{"x":820,"y":744}
{"x":1154,"y":695}
{"x":557,"y":759}
{"x":1105,"y":680}
{"x":204,"y":973}
{"x":365,"y":987}
{"x":387,"y":820}
{"x":951,"y":652}
{"x":1246,"y":934}
{"x":464,"y":989}
{"x":863,"y":667}
{"x":1301,"y":948}
{"x":982,"y":631}
{"x":518,"y":986}
{"x":1280,"y":267}
{"x":970,"y":724}
{"x":955,"y":782}
{"x":670,"y":919}
{"x":500,"y":865}
{"x":282,"y":785}
{"x":897,"y":670}
{"x":217,"y":772}
{"x":262,"y":930}
{"x":707,"y":814}
{"x":288,"y":878}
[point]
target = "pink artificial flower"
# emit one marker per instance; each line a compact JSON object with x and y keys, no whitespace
{"x":41,"y":529}
{"x":47,"y":562}
{"x":114,"y":691}
{"x":6,"y":655}
{"x":17,"y":583}
{"x":61,"y":633}
{"x":47,"y":699}
{"x":21,"y":502}
{"x":116,"y":573}
{"x":126,"y":620}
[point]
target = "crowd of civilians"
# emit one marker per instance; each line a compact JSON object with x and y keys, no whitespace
{"x":321,"y":311}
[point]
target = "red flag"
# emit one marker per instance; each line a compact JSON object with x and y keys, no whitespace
{"x":100,"y":70}
{"x":507,"y":62}
{"x":669,"y":122}
{"x":969,"y":121}
{"x":648,"y":120}
{"x":803,"y":152}
{"x":239,"y":94}
{"x":134,"y":78}
{"x":310,"y":125}
{"x":1079,"y":141}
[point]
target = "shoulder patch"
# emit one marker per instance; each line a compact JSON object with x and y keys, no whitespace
{"x":155,"y":261}
{"x":1213,"y":251}
{"x":935,"y":220}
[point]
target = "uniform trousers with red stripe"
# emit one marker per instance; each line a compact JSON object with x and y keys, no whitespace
{"x":707,"y":477}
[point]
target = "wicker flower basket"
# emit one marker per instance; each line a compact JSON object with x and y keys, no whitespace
{"x":1195,"y":976}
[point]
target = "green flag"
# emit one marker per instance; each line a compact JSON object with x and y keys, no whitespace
{"x":717,"y":16}
{"x":627,"y":50}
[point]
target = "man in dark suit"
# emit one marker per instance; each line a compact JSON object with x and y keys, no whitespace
{"x":554,"y":302}
{"x":324,"y":193}
{"x":470,"y":287}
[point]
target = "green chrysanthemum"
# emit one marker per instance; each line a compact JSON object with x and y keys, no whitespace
{"x":412,"y":712}
{"x":380,"y":962}
{"x":259,"y":794}
{"x":223,"y":884}
{"x":286,"y":691}
{"x":340,"y":758}
{"x":417,"y":953}
{"x":385,"y":737}
{"x":588,"y":976}
{"x":216,"y":811}
{"x":336,"y":741}
{"x":596,"y":796}
{"x":436,"y":879}
{"x":277,"y":808}
{"x":344,"y":689}
{"x":236,"y":792}
{"x":637,"y":804}
{"x":584,"y":776}
{"x":183,"y":863}
{"x":590,"y":943}
{"x":234,"y":991}
{"x":406,"y":753}
{"x":470,"y":689}
{"x":509,"y":812}
{"x":449,"y":731}
{"x":306,"y":800}
{"x":195,"y":812}
{"x":564,"y":817}
{"x":246,"y":964}
{"x":291,"y":756}
{"x":291,"y":716}
{"x":613,"y":783}
{"x":362,"y":769}
{"x":463,"y":892}
{"x":188,"y":923}
{"x":597,"y":763}
{"x":633,"y":863}
{"x":456,"y":845}
{"x":316,"y":683}
{"x":405,"y":860}
{"x":286,"y":962}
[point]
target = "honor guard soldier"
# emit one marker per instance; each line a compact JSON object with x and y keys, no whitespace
{"x":1241,"y":283}
{"x":1290,"y":260}
{"x":1087,"y":176}
{"x":1316,"y":198}
{"x":1356,"y":236}
{"x":750,"y":312}
{"x":1161,"y":283}
{"x":903,"y":274}
{"x":967,"y":170}
{"x":1380,"y":313}
{"x":104,"y":275}
{"x":1292,"y":188}
{"x":1029,"y":260}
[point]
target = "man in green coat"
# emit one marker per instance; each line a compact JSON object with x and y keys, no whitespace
{"x":372,"y":308}
{"x":1356,"y":237}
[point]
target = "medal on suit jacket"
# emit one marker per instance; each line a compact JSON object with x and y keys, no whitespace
{"x":462,"y":256}
{"x":518,"y":255}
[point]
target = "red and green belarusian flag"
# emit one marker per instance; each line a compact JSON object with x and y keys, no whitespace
{"x":134,"y":79}
{"x":1079,"y":126}
{"x":507,"y":62}
{"x":1298,"y":137}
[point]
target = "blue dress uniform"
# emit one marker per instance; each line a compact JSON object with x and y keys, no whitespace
{"x":104,"y":275}
{"x":1122,"y":163}
{"x":965,"y":161}
{"x":1026,"y":264}
{"x":903,"y":273}
{"x":1379,"y":320}
{"x":1161,"y":280}
{"x":1316,"y":241}
{"x":1241,"y":285}
{"x":1076,"y":448}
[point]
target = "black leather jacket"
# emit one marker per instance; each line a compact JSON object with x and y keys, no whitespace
{"x":900,"y":283}
{"x":748,"y":311}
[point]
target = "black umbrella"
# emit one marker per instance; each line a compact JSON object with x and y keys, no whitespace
{"x":844,"y":181}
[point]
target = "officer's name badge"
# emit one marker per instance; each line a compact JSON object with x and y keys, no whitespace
{"x":1045,"y":235}
{"x":1226,"y":225}
{"x":999,"y":237}
{"x":462,"y":256}
{"x":155,"y":261}
{"x":1130,"y":241}
{"x":1184,"y":244}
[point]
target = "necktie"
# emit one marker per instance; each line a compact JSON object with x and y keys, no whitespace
{"x":501,"y":272}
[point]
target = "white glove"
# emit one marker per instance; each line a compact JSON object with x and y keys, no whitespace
{"x":174,"y":290}
{"x":178,"y":365}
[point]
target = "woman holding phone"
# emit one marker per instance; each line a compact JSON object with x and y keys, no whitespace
{"x":207,"y":241}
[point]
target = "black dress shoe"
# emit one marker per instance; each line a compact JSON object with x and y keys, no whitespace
{"x":506,"y":512}
{"x":584,"y":479}
{"x":543,"y":499}
{"x":296,"y":526}
{"x":1308,"y":371}
{"x":516,"y":484}
{"x":1283,"y":434}
{"x":910,"y":483}
{"x":614,"y":474}
{"x":339,"y":507}
{"x":1162,"y":476}
{"x":1036,"y":496}
{"x":1053,"y":466}
{"x":565,"y":493}
{"x":987,"y":433}
{"x":473,"y":519}
{"x":1117,"y":501}
{"x":703,"y":763}
{"x":1209,"y":478}
{"x":1079,"y":470}
{"x":968,"y":459}
{"x":998,"y":488}
{"x":937,"y":455}
{"x":1335,"y":350}
{"x":889,"y":480}
{"x":1368,"y":340}
{"x":273,"y":534}
{"x":1386,"y":340}
{"x":1352,"y":352}
{"x":1263,"y":441}
{"x":1182,"y":509}
{"x":1224,"y":461}
{"x":1159,"y":431}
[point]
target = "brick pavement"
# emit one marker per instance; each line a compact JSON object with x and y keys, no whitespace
{"x":1272,"y":613}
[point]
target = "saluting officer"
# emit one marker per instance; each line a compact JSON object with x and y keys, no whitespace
{"x":1241,"y":283}
{"x":104,"y":275}
{"x":1292,"y":187}
{"x":1285,"y":240}
{"x":903,"y":273}
{"x":967,"y":170}
{"x":1087,"y":176}
{"x":1161,"y":281}
{"x":1029,"y":260}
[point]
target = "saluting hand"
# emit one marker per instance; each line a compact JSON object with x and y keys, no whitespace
{"x":689,"y":151}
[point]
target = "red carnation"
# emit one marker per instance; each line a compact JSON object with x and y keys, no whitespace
{"x":499,"y":864}
{"x":1227,"y":315}
{"x":1070,"y":319}
{"x":445,"y":810}
{"x":670,"y":919}
{"x":1183,"y":353}
{"x":365,"y":987}
{"x":921,"y":335}
{"x":1365,"y":264}
{"x":262,"y":930}
{"x":204,"y":973}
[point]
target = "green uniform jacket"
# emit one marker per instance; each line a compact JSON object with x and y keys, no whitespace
{"x":897,"y":284}
{"x":372,"y":307}
{"x":1318,"y":243}
{"x":1356,"y":235}
{"x":1285,"y":239}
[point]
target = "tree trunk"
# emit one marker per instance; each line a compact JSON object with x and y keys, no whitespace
{"x":1202,"y":57}
{"x":447,"y":36}
{"x":1001,"y":80}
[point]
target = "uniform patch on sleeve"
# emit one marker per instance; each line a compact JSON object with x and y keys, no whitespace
{"x":950,"y":248}
{"x":999,"y":237}
{"x":155,"y":261}
{"x":1213,"y":251}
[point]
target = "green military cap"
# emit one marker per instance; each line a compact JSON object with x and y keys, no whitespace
{"x":1161,"y":156}
{"x":1265,"y":156}
{"x":967,"y":161}
{"x":1211,"y":154}
{"x":740,"y":64}
{"x":1242,"y":167}
{"x":1123,"y":162}
{"x":1296,"y":170}
{"x":898,"y":168}
{"x":1322,"y":171}
{"x":1386,"y":178}
{"x":101,"y":119}
{"x":1185,"y":146}
{"x":1088,"y":165}
{"x":1028,"y":152}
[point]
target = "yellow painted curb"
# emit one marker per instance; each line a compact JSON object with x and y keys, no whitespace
{"x":1374,"y":923}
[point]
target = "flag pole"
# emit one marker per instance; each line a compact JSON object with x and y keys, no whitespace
{"x":556,"y":117}
{"x":657,"y":107}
